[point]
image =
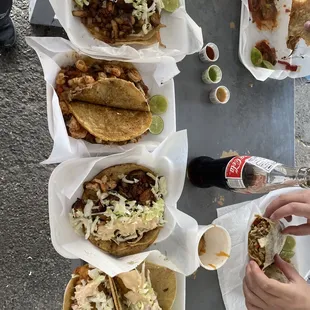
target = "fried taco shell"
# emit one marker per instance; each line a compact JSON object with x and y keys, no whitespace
{"x":137,"y":41}
{"x":150,"y":38}
{"x":69,"y":292}
{"x":265,"y":240}
{"x":81,"y":274}
{"x":163,"y":282}
{"x":125,"y":248}
{"x":114,"y":93}
{"x":145,"y":40}
{"x":110,"y":124}
{"x":122,"y":248}
{"x":273,"y":272}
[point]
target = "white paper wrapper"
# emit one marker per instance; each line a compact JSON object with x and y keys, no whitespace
{"x":250,"y":35}
{"x":176,"y":252}
{"x":157,"y":74}
{"x":182,"y":36}
{"x":236,"y":219}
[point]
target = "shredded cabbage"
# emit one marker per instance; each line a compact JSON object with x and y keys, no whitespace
{"x":88,"y":207}
{"x":88,"y":293}
{"x":81,"y":3}
{"x":142,"y":11}
{"x":125,"y":180}
{"x":94,"y":273}
{"x":126,"y":219}
{"x":147,"y":298}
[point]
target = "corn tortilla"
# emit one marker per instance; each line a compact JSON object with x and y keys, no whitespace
{"x":110,"y":124}
{"x":114,"y":93}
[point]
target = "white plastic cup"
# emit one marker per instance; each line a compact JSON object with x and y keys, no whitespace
{"x":214,"y":69}
{"x":214,"y":97}
{"x":217,"y":246}
{"x":204,"y":56}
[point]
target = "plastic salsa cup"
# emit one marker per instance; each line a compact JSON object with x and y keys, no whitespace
{"x":212,"y":75}
{"x":209,"y":53}
{"x":220,"y":95}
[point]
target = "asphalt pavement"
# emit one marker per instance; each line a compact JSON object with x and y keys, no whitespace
{"x":33,"y":275}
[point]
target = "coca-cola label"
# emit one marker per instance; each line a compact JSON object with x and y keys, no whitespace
{"x":233,"y":172}
{"x":265,"y":164}
{"x":235,"y":167}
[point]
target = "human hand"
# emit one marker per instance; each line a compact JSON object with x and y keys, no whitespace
{"x":262,"y":293}
{"x":296,"y":203}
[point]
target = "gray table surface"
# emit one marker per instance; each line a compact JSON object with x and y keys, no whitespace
{"x":258,"y":120}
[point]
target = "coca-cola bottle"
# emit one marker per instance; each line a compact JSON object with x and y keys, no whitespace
{"x":245,"y":174}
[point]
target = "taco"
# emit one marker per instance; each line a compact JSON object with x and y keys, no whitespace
{"x":299,"y":17}
{"x":89,"y":288}
{"x":108,"y":124}
{"x":287,"y":253}
{"x":122,"y":22}
{"x":265,"y":241}
{"x":147,"y":287}
{"x":121,"y":210}
{"x":103,"y":101}
{"x":114,"y":93}
{"x":273,"y":272}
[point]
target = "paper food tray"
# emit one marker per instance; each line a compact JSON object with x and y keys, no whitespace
{"x":182,"y":36}
{"x":176,"y":245}
{"x":250,"y":35}
{"x":57,"y":52}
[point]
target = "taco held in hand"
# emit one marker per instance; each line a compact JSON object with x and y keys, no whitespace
{"x":122,"y":22}
{"x":149,"y":287}
{"x":89,"y":288}
{"x":265,"y":241}
{"x":103,"y":101}
{"x":122,"y":209}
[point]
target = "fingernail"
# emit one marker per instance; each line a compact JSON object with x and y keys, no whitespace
{"x":272,"y":217}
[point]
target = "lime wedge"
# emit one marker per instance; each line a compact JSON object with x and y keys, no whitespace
{"x":158,"y":104}
{"x":290,"y":244}
{"x":266,"y":64}
{"x":287,"y":255}
{"x":171,"y":5}
{"x":157,"y":125}
{"x":256,"y":57}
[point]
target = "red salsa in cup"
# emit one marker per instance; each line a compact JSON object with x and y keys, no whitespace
{"x":210,"y":52}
